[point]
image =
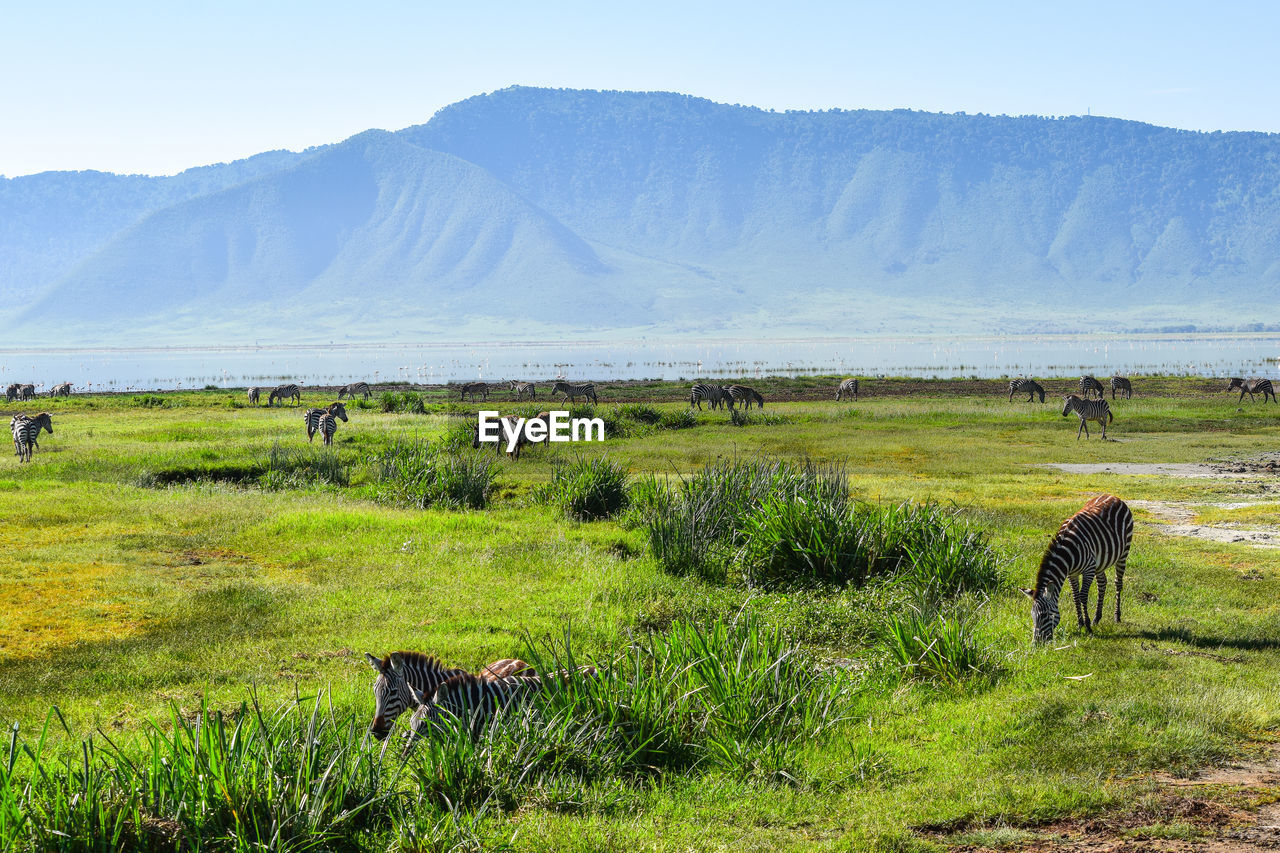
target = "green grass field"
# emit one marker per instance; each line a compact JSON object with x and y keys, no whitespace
{"x":161,"y":564}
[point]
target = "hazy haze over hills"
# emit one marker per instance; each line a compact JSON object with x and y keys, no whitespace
{"x":533,"y":213}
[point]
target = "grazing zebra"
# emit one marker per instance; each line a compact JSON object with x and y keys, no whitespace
{"x":469,"y":698}
{"x":1251,"y":387}
{"x":1087,"y":543}
{"x":26,"y":392}
{"x":283,"y":392}
{"x":574,"y":390}
{"x":26,"y":430}
{"x":522,"y":388}
{"x":361,"y":388}
{"x":1090,"y":386}
{"x":746,"y":396}
{"x":1123,"y":385}
{"x":713,"y":394}
{"x":508,"y":425}
{"x":474,"y":389}
{"x":62,"y":389}
{"x":1030,"y":387}
{"x":398,"y":670}
{"x":1088,"y":410}
{"x":849,"y":387}
{"x":252,"y":394}
{"x":313,"y":417}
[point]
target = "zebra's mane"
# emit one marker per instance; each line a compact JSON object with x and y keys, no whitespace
{"x":421,"y":659}
{"x":1042,"y":572}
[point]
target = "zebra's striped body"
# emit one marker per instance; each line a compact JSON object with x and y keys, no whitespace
{"x":26,"y":392}
{"x":1123,"y":385}
{"x":26,"y":431}
{"x":253,"y":395}
{"x":746,"y":396}
{"x":847,"y":388}
{"x":285,"y":392}
{"x":475,"y":389}
{"x":399,"y":671}
{"x":361,"y":388}
{"x":11,"y":393}
{"x":508,"y":426}
{"x":713,"y":394}
{"x":1087,"y":543}
{"x":1090,"y":386}
{"x":574,"y":390}
{"x":314,"y":417}
{"x":1088,"y":410}
{"x":62,"y":389}
{"x":1253,"y":386}
{"x":327,"y":426}
{"x":1025,"y":386}
{"x":523,"y":388}
{"x":471,"y":699}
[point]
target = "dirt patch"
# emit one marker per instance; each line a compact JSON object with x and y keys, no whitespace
{"x":1179,"y":520}
{"x":1186,"y":470}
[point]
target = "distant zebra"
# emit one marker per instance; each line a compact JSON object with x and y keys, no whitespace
{"x":1251,"y":387}
{"x":11,"y":393}
{"x":252,"y":394}
{"x":508,"y":424}
{"x":713,"y":394}
{"x":391,"y":688}
{"x":522,"y":388}
{"x":574,"y":390}
{"x":361,"y":388}
{"x":1090,"y":386}
{"x":847,"y":388}
{"x":283,"y":392}
{"x":26,"y":392}
{"x":62,"y":389}
{"x":474,"y":388}
{"x":1088,"y":410}
{"x":313,"y":417}
{"x":1030,"y":387}
{"x":26,"y":431}
{"x":1087,"y":543}
{"x":746,"y":396}
{"x":1123,"y":385}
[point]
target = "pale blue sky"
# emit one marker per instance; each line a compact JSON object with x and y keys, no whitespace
{"x":158,"y":87}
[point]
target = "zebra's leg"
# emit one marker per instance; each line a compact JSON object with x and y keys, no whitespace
{"x":1083,"y":428}
{"x":1103,"y":421}
{"x":1075,"y":597}
{"x":1086,"y":581}
{"x":1102,"y":594}
{"x":1119,"y":586}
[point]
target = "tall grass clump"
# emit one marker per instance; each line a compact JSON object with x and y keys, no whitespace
{"x":588,"y":489}
{"x":678,"y":419}
{"x":287,"y":467}
{"x":419,"y":474}
{"x":932,"y":642}
{"x":781,"y":525}
{"x":641,"y":413}
{"x":401,"y":402}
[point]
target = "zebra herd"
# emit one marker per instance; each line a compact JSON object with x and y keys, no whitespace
{"x":413,"y":680}
{"x":1089,"y":404}
{"x":571,"y":391}
{"x":720,"y":396}
{"x":21,"y":392}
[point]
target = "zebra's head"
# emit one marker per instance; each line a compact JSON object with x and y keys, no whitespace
{"x":1044,"y":616}
{"x":391,"y":695}
{"x":43,"y":421}
{"x":338,"y":411}
{"x":1069,"y":402}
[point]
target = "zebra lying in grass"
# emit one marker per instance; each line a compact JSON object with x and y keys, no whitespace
{"x":523,"y":388}
{"x":25,"y":431}
{"x":253,"y":395}
{"x":400,"y":670}
{"x":1087,"y":543}
{"x":1025,"y":386}
{"x":848,"y":388}
{"x":1123,"y":385}
{"x":1088,"y":410}
{"x":1251,"y":387}
{"x":283,"y":392}
{"x":475,"y":699}
{"x":314,"y":418}
{"x":574,"y":390}
{"x":361,"y":388}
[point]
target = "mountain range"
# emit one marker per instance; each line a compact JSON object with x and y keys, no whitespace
{"x":557,"y":214}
